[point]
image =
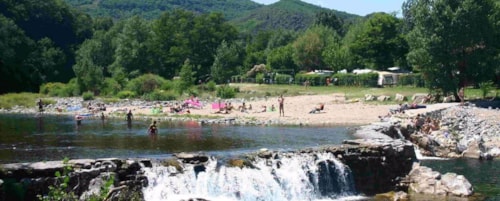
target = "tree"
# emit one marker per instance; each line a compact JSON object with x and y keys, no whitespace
{"x":329,"y":19}
{"x":378,"y":43}
{"x":452,"y":42}
{"x":282,"y":58}
{"x":226,"y":63}
{"x":338,"y":57}
{"x":88,"y":73}
{"x":131,"y":51}
{"x":309,"y":47}
{"x":187,"y":76}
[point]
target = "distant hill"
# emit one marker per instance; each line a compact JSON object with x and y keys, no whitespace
{"x":247,"y":15}
{"x":151,"y":9}
{"x":284,"y":14}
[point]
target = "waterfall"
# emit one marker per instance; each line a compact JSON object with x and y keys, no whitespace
{"x":399,"y":133}
{"x":419,"y":155}
{"x":291,"y":177}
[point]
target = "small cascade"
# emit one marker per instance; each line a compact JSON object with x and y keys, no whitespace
{"x":291,"y":177}
{"x":419,"y":155}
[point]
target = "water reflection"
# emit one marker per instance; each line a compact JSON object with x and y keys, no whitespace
{"x":53,"y":137}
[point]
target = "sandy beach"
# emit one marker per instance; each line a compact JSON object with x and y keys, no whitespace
{"x":296,"y":108}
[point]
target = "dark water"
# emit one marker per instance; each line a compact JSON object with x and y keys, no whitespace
{"x":27,"y":138}
{"x":483,"y":175}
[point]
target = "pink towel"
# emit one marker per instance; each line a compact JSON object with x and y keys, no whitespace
{"x":217,"y":106}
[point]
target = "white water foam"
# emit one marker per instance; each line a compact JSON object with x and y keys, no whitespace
{"x":293,"y":177}
{"x":419,"y":155}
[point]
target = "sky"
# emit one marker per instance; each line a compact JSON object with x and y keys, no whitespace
{"x":359,"y":7}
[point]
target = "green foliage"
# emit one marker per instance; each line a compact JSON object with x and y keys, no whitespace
{"x":227,"y":60}
{"x":414,"y":79}
{"x":377,"y":42}
{"x":168,"y":85}
{"x":314,"y":79}
{"x":159,"y":95}
{"x":282,"y":79}
{"x":359,"y":80}
{"x":186,"y":76}
{"x":146,"y":83}
{"x":126,"y":94}
{"x":110,"y":87}
{"x":259,"y":78}
{"x":60,"y":190}
{"x":452,"y":42}
{"x":211,"y":85}
{"x":225,"y":92}
{"x":88,"y":95}
{"x":9,"y":100}
{"x":53,"y":89}
{"x":124,"y":9}
{"x":103,"y":193}
{"x":486,"y":88}
{"x":309,"y":47}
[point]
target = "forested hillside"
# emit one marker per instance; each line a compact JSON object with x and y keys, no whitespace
{"x":51,"y":47}
{"x":152,"y":9}
{"x":37,"y":42}
{"x":285,"y":14}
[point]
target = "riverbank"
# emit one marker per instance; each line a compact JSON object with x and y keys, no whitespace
{"x":337,"y":110}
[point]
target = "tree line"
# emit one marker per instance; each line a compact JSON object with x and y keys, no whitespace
{"x":451,"y":43}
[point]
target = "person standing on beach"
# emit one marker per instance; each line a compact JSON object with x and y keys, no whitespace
{"x":281,"y":102}
{"x":461,"y":95}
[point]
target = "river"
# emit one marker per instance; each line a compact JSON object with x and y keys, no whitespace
{"x":29,"y":138}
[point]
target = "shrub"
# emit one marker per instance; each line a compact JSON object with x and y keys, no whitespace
{"x":415,"y":80}
{"x":146,"y":83}
{"x":259,"y":78}
{"x":211,"y":85}
{"x":167,"y":85}
{"x":110,"y":87}
{"x":159,"y":95}
{"x":360,"y":80}
{"x":226,"y":92}
{"x":126,"y":94}
{"x":282,"y":79}
{"x":88,"y":95}
{"x":7,"y":101}
{"x":314,"y":79}
{"x":55,"y":89}
{"x":486,"y":88}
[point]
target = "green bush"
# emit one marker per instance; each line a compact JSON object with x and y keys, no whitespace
{"x":126,"y":94}
{"x":168,"y":85}
{"x":282,"y":79}
{"x":259,"y":78}
{"x":486,"y":88}
{"x":146,"y":83}
{"x":159,"y":95}
{"x":55,"y":89}
{"x":226,"y":92}
{"x":110,"y":87}
{"x":211,"y":85}
{"x":314,"y":79}
{"x":359,"y":80}
{"x":415,"y":80}
{"x":88,"y":96}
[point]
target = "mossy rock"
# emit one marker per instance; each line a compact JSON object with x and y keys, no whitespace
{"x":174,"y":163}
{"x":241,"y":163}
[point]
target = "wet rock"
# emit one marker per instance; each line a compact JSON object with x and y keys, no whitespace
{"x":423,"y":180}
{"x":192,"y":157}
{"x":392,"y":196}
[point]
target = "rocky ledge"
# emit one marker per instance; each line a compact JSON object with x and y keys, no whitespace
{"x":377,"y":166}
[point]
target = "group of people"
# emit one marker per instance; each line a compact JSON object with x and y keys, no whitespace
{"x":425,"y":124}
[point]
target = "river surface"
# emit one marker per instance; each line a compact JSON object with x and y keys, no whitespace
{"x":30,"y":138}
{"x":27,"y":138}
